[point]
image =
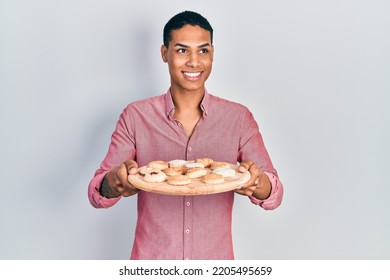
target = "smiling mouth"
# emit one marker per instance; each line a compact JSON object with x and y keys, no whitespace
{"x":192,"y":74}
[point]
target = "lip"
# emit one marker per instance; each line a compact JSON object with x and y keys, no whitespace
{"x":192,"y":75}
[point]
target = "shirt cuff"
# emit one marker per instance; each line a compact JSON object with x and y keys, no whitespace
{"x":275,"y":198}
{"x":96,"y":199}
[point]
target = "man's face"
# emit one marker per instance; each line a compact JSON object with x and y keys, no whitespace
{"x":189,"y":57}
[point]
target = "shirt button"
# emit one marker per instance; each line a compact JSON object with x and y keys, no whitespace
{"x":187,"y":231}
{"x":189,"y":149}
{"x":188,"y":203}
{"x":187,"y":259}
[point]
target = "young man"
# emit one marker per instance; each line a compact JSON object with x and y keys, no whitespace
{"x":185,"y":123}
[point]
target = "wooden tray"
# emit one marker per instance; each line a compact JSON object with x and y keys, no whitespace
{"x":196,"y":187}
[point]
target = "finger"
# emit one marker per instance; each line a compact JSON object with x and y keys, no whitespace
{"x":245,"y":191}
{"x":131,"y":166}
{"x":248,"y":191}
{"x":255,"y":172}
{"x":122,"y":175}
{"x":133,"y":170}
{"x":245,"y":165}
{"x":252,"y":180}
{"x":127,"y":191}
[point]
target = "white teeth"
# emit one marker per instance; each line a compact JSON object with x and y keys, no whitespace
{"x":192,"y":74}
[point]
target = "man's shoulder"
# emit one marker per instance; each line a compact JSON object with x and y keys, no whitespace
{"x":226,"y":103}
{"x":145,"y":106}
{"x":147,"y":102}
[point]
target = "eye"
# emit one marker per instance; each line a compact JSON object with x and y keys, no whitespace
{"x":181,"y":51}
{"x":204,"y":51}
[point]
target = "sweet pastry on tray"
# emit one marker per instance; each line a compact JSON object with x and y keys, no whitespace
{"x":225,"y":172}
{"x":213,"y":178}
{"x":159,"y":164}
{"x":155,"y":177}
{"x":147,"y":170}
{"x":189,"y":165}
{"x":196,"y":172}
{"x":198,"y":177}
{"x":179,"y":180}
{"x":205,"y":161}
{"x":219,"y":164}
{"x":174,"y":171}
{"x":177,"y":163}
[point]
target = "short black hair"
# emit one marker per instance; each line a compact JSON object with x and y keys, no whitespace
{"x":182,"y":19}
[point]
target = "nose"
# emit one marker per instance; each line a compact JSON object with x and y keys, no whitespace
{"x":193,"y":60}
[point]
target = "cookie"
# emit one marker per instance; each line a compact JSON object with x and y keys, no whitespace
{"x":147,"y":170}
{"x":194,"y":165}
{"x":213,"y":178}
{"x":196,"y":172}
{"x":225,"y":172}
{"x":205,"y":161}
{"x":159,"y":164}
{"x":155,"y":177}
{"x":174,"y":171}
{"x":177,"y":163}
{"x":179,"y":180}
{"x":219,"y":164}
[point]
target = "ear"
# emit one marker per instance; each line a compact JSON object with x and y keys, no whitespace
{"x":164,"y":51}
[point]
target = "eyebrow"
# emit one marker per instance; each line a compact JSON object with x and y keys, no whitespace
{"x":186,"y":46}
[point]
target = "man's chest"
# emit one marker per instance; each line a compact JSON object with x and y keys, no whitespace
{"x":169,"y":140}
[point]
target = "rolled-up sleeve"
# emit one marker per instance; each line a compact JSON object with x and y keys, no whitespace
{"x":276,"y":196}
{"x":95,"y":198}
{"x":121,"y":148}
{"x":253,"y":148}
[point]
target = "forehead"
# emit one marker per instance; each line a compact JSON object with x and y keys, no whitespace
{"x":189,"y":35}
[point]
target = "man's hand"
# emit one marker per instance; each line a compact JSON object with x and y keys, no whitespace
{"x":115,"y":182}
{"x":258,"y":185}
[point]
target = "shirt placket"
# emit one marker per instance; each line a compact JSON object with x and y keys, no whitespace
{"x":188,"y":205}
{"x":188,"y":228}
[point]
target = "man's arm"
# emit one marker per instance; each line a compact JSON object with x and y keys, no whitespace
{"x":109,"y":182}
{"x":264,"y":188}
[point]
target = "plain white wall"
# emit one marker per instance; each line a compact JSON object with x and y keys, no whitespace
{"x":314,"y":73}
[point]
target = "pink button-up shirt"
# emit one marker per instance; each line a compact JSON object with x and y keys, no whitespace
{"x":185,"y":227}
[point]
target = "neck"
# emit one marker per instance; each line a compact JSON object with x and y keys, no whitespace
{"x":187,"y":100}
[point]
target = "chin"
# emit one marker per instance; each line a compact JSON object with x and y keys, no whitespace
{"x":190,"y":86}
{"x":193,"y":88}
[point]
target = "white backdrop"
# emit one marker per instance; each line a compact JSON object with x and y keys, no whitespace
{"x":316,"y":75}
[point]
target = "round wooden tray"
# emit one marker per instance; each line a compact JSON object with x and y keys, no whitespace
{"x":196,"y":187}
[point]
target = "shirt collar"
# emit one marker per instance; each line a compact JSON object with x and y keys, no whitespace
{"x":170,"y":107}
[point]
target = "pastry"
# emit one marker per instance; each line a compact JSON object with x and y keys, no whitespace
{"x":194,"y":165}
{"x":179,"y":180}
{"x":196,"y":172}
{"x":177,"y":163}
{"x":225,"y":172}
{"x":205,"y":161}
{"x":147,"y":170}
{"x":155,"y":177}
{"x":213,"y":178}
{"x":173,"y":171}
{"x":159,"y":164}
{"x":219,"y":164}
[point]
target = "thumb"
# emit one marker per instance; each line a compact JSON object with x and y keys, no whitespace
{"x":245,"y":165}
{"x":131,"y":166}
